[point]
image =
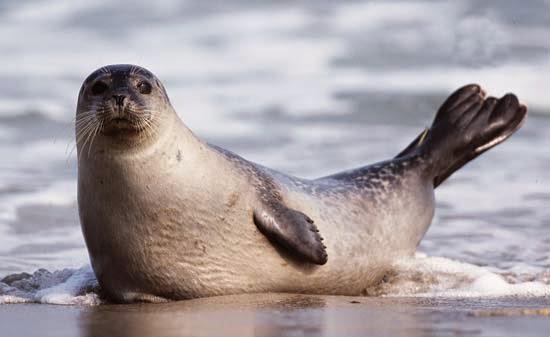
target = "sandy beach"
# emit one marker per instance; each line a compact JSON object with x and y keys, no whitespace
{"x":285,"y":315}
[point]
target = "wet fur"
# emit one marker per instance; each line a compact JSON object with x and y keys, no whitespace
{"x":171,"y":217}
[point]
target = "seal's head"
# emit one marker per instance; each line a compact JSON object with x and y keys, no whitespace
{"x":121,"y":102}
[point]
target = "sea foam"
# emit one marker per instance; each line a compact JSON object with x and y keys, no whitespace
{"x":418,"y":276}
{"x":67,"y":286}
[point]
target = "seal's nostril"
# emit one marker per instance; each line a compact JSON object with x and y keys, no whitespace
{"x":119,"y":99}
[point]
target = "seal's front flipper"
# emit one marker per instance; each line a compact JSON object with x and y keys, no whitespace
{"x":293,"y":230}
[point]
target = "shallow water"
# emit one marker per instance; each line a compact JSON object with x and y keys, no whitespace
{"x":309,"y":89}
{"x":285,"y":315}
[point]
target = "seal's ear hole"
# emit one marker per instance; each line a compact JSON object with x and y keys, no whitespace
{"x":99,"y":88}
{"x":144,"y":87}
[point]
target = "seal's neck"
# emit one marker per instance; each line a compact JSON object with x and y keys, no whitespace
{"x":166,"y":135}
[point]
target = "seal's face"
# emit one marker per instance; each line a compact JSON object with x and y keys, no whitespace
{"x":119,"y":101}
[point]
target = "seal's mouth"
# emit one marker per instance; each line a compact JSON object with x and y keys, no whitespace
{"x":122,"y":125}
{"x":121,"y":122}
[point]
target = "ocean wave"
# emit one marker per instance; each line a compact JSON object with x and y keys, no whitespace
{"x":296,"y":61}
{"x":425,"y":276}
{"x":419,"y":276}
{"x":294,"y":58}
{"x":67,"y":286}
{"x":51,"y":206}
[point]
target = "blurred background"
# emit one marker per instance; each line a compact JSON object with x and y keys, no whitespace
{"x":306,"y":87}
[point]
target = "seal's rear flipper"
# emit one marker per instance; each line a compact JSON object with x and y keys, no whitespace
{"x":293,"y":230}
{"x":466,"y":125}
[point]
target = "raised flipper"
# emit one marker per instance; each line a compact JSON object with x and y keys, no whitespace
{"x":291,"y":229}
{"x":466,"y":125}
{"x":414,"y":145}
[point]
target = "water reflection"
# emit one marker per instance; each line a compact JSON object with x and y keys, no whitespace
{"x":275,"y":315}
{"x":248,"y":315}
{"x":285,"y":315}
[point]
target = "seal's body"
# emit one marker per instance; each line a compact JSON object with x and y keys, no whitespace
{"x":167,"y":216}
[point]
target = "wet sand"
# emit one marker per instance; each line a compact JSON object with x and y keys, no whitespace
{"x":285,"y":315}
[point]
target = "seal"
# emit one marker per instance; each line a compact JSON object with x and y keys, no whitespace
{"x":167,"y":216}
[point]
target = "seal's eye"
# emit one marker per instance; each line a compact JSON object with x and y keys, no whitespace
{"x":144,"y":87}
{"x":99,"y":88}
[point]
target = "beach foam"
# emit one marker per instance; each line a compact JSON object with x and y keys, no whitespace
{"x":424,"y":276}
{"x":67,"y":286}
{"x":419,"y":276}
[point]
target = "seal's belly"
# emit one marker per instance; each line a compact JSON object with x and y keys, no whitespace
{"x":146,"y":245}
{"x":160,"y":247}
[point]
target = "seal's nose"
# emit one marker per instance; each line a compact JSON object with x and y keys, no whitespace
{"x":119,"y":99}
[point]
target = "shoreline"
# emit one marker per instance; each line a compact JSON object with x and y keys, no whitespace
{"x":286,"y":315}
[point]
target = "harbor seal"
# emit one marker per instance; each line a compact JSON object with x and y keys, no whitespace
{"x":166,"y":216}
